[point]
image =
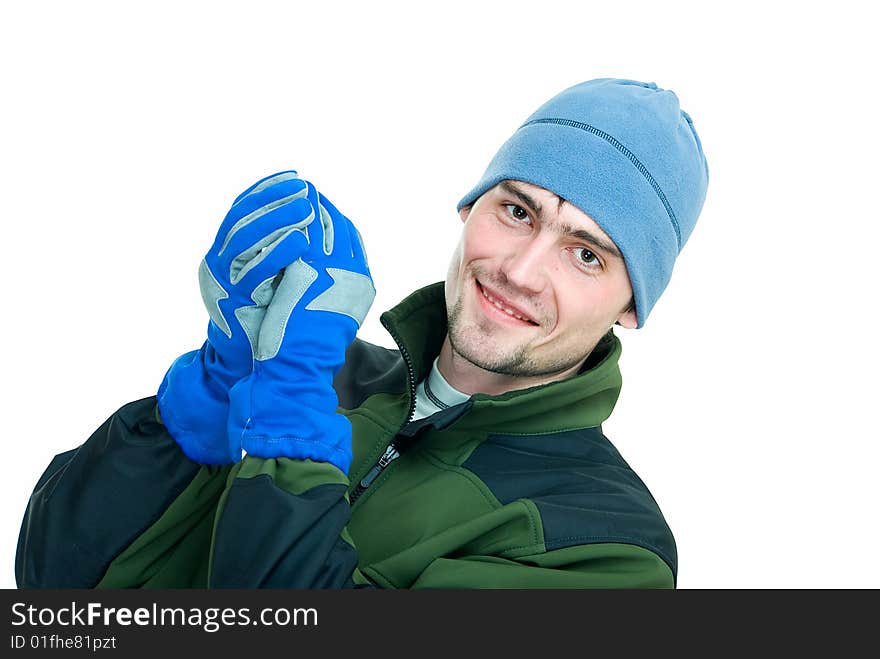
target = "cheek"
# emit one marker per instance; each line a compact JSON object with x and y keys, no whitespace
{"x":452,"y":275}
{"x":483,"y":238}
{"x":592,"y":310}
{"x":455,"y":260}
{"x":581,"y":311}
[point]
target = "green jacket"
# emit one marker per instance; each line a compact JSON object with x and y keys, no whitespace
{"x":519,"y":490}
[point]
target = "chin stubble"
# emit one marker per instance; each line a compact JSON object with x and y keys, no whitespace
{"x":518,"y":363}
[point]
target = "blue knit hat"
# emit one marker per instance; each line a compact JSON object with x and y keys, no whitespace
{"x":625,"y":153}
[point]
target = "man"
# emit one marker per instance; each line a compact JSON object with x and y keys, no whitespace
{"x":472,"y":456}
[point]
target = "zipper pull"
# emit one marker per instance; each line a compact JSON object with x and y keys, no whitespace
{"x":387,"y":458}
{"x":391,"y":453}
{"x":367,"y":480}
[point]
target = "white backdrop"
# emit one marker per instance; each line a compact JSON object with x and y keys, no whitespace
{"x":748,"y":398}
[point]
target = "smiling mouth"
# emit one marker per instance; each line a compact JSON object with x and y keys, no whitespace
{"x":502,"y":307}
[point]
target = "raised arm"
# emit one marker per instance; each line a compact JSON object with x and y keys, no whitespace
{"x":134,"y":505}
{"x":282,"y":521}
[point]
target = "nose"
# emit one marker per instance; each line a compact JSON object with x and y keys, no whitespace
{"x":526,"y":266}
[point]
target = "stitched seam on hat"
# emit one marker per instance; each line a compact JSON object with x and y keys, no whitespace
{"x":629,"y":154}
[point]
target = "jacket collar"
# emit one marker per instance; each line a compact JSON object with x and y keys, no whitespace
{"x":418,"y":324}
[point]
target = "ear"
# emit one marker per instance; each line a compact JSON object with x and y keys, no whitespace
{"x":628,"y":319}
{"x":464,"y":212}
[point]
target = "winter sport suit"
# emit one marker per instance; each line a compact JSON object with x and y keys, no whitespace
{"x":518,"y":490}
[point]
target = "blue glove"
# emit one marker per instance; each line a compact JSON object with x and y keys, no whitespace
{"x":264,"y":231}
{"x":287,"y":406}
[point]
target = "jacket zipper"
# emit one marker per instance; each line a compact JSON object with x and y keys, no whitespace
{"x":390,"y":455}
{"x":391,"y":452}
{"x":410,"y":369}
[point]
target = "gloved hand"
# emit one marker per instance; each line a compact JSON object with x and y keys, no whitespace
{"x":287,"y":406}
{"x":264,"y":231}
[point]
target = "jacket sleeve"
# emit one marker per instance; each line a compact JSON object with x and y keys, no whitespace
{"x":93,"y":503}
{"x":281,"y":523}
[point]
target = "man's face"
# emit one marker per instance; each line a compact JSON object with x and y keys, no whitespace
{"x":533,"y":284}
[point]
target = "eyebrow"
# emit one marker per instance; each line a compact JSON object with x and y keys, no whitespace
{"x":565,"y":229}
{"x":587,"y":237}
{"x":524,"y":198}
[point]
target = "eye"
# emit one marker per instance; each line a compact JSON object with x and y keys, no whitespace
{"x":517,"y":212}
{"x":586,"y":258}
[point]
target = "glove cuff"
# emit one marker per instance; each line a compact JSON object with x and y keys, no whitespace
{"x":336,"y":453}
{"x":194,"y":408}
{"x":299,"y":427}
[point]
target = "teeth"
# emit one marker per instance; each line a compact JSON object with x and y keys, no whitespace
{"x":509,"y":312}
